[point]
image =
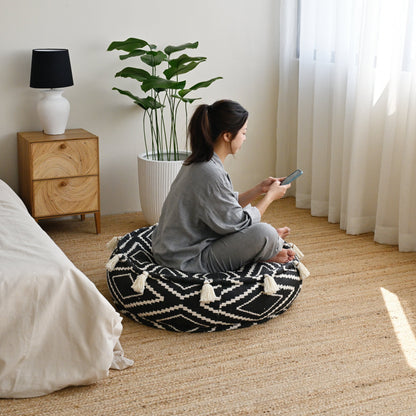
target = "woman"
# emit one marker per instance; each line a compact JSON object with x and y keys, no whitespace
{"x":205,"y":226}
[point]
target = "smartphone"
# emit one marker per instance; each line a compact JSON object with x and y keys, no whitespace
{"x":294,"y":175}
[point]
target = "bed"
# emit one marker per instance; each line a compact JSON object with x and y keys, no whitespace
{"x":56,"y":328}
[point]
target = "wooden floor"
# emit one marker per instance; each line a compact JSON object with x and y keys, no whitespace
{"x":347,"y":345}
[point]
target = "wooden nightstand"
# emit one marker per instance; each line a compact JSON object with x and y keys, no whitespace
{"x":59,"y":174}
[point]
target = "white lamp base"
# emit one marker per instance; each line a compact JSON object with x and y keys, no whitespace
{"x":53,"y":111}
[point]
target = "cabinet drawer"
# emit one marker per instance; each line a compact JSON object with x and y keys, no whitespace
{"x":65,"y":196}
{"x":60,"y":159}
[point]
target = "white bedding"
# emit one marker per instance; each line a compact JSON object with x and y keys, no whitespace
{"x":56,"y":328}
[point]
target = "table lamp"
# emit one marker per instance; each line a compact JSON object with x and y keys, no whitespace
{"x":51,"y":71}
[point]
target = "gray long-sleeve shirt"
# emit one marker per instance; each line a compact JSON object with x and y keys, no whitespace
{"x":200,"y":208}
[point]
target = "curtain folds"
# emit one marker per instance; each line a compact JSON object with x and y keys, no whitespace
{"x":347,"y":113}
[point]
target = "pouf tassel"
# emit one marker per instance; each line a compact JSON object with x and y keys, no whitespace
{"x":303,"y":271}
{"x":140,"y":283}
{"x":112,"y":244}
{"x":111,"y":264}
{"x":208,"y":293}
{"x":270,"y":285}
{"x":298,"y":253}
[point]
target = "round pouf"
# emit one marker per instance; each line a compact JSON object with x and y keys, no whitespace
{"x":170,"y":299}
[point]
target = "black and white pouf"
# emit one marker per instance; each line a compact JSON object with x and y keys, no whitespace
{"x":170,"y":299}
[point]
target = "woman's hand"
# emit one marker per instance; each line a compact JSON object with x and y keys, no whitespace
{"x":264,"y":186}
{"x":274,"y":191}
{"x":277,"y":191}
{"x":271,"y":189}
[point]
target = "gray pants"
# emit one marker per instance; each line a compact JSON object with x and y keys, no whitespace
{"x":259,"y":242}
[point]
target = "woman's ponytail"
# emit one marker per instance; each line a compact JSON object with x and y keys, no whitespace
{"x":200,"y":137}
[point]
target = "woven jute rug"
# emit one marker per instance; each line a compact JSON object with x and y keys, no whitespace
{"x":346,"y":346}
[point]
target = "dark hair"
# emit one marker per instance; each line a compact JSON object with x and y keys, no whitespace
{"x":208,"y":123}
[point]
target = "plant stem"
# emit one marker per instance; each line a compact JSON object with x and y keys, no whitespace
{"x":163,"y":126}
{"x":186,"y":126}
{"x":152,"y":129}
{"x":172,"y":125}
{"x":144,"y":133}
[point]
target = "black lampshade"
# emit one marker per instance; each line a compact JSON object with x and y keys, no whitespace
{"x":51,"y":68}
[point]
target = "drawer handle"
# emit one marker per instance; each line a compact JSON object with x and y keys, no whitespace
{"x":63,"y":146}
{"x":63,"y":183}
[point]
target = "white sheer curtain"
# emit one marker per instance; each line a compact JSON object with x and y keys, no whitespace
{"x":347,"y":113}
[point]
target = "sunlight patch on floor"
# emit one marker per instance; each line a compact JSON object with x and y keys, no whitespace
{"x":401,"y":326}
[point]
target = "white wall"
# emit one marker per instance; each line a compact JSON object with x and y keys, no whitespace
{"x":239,"y":38}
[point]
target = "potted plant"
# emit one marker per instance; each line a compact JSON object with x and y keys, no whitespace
{"x":166,"y":93}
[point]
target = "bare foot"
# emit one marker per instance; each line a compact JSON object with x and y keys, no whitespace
{"x":283,"y":256}
{"x":283,"y":232}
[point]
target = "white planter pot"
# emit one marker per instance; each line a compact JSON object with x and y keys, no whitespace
{"x":155,"y":179}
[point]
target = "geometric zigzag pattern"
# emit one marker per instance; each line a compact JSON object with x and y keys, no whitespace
{"x":171,"y":298}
